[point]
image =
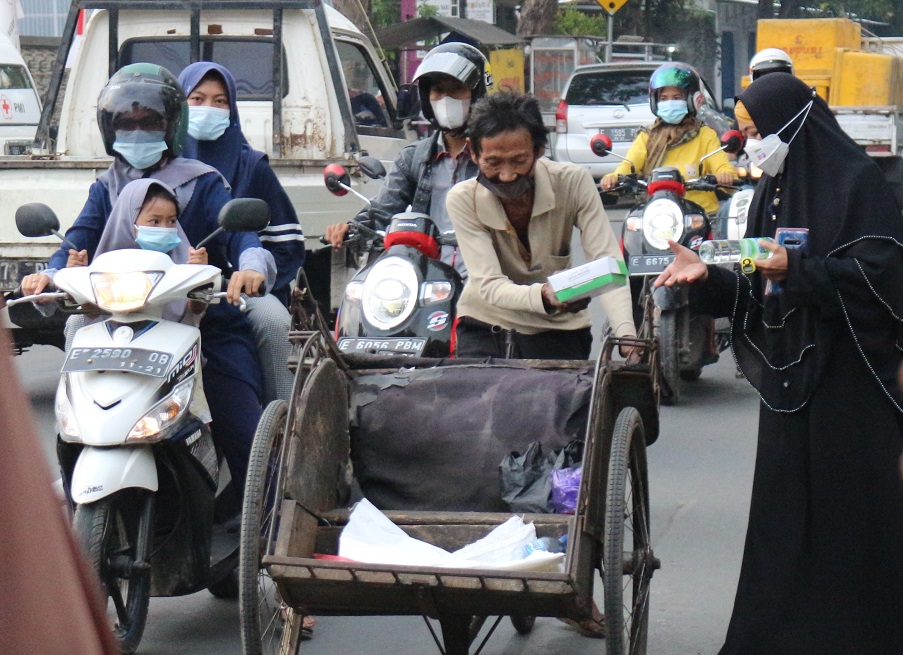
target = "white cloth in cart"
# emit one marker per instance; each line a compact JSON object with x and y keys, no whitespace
{"x":369,"y":536}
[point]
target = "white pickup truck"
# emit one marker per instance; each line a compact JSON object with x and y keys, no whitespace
{"x":290,"y":59}
{"x":879,"y":130}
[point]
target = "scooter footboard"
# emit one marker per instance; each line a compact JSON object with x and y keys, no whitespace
{"x":100,"y":472}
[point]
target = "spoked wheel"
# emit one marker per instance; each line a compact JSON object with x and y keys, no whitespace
{"x":628,"y":562}
{"x":115,"y":532}
{"x":669,"y":341}
{"x":268,"y":626}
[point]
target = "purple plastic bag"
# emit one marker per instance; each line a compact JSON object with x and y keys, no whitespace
{"x":565,"y":488}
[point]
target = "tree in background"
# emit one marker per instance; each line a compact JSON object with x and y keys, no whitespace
{"x":574,"y":22}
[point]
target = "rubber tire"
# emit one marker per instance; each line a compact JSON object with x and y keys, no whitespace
{"x":283,"y":636}
{"x":669,"y":347}
{"x":627,"y":519}
{"x":691,"y":375}
{"x":523,"y":624}
{"x":226,"y":588}
{"x":92,"y":526}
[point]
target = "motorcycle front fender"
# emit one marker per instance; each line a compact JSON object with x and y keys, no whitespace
{"x":100,"y":472}
{"x":671,"y":298}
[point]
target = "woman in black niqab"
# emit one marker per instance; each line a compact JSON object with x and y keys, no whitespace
{"x":822,"y":565}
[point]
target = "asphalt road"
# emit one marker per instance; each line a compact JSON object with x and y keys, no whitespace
{"x":700,"y":477}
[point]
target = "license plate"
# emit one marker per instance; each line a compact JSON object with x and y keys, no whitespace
{"x":648,"y":264}
{"x":392,"y":346}
{"x":135,"y":360}
{"x":626,"y":133}
{"x":13,"y":270}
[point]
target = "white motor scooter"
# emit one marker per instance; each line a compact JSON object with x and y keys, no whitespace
{"x":151,"y":508}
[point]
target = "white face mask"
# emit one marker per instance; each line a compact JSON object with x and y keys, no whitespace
{"x":769,"y":153}
{"x":450,"y":113}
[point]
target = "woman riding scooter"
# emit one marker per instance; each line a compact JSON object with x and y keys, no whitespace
{"x":141,"y":114}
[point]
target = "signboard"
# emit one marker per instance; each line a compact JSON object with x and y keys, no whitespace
{"x":507,"y":69}
{"x":611,"y":6}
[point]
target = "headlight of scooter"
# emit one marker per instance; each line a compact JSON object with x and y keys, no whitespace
{"x":152,"y":426}
{"x":663,"y":220}
{"x":390,"y":291}
{"x":123,"y":292}
{"x":65,"y":415}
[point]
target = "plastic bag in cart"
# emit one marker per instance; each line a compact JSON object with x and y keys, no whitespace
{"x":369,"y":536}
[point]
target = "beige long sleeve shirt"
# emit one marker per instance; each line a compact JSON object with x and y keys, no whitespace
{"x":505,"y":281}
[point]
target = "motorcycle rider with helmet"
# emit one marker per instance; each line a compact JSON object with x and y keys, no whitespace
{"x":676,"y":138}
{"x":451,"y":78}
{"x":769,"y":60}
{"x":143,"y":114}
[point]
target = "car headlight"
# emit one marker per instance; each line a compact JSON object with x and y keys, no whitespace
{"x":153,"y":425}
{"x":123,"y":292}
{"x":433,"y":292}
{"x":65,"y":415}
{"x":390,"y":290}
{"x":663,"y":220}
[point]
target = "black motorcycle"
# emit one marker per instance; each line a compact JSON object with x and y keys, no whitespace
{"x":403,"y":300}
{"x":688,"y":340}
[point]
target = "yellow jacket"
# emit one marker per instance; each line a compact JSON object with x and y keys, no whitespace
{"x":685,"y":158}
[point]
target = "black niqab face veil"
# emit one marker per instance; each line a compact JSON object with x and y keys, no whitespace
{"x":850,"y":280}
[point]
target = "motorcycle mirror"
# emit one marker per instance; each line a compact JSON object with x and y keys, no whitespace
{"x":336,"y":179}
{"x":371,"y":167}
{"x":240,"y":215}
{"x":732,"y":140}
{"x":36,"y":219}
{"x":600,"y":144}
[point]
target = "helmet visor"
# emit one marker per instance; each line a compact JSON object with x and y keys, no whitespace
{"x":452,"y":64}
{"x":671,"y":76}
{"x":135,"y":106}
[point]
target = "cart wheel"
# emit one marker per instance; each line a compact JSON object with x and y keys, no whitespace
{"x":669,"y":339}
{"x":628,"y":562}
{"x":268,"y":626}
{"x":523,"y":624}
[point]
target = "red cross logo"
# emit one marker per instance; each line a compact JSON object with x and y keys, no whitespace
{"x":6,"y":107}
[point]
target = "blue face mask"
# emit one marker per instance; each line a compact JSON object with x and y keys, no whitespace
{"x":207,"y":123}
{"x":139,"y":148}
{"x":672,"y":111}
{"x":160,"y":239}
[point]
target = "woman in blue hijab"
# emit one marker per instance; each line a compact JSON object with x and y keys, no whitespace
{"x":215,"y":138}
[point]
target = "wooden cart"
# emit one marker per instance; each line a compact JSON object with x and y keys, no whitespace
{"x":301,"y":455}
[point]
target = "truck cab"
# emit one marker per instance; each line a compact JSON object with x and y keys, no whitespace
{"x":20,"y":106}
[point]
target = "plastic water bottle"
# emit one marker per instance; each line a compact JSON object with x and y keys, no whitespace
{"x":547,"y":544}
{"x":728,"y":251}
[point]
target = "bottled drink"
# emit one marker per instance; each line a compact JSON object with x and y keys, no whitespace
{"x":728,"y":251}
{"x":547,"y":544}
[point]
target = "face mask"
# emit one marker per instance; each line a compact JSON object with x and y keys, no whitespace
{"x":207,"y":123}
{"x":769,"y":153}
{"x":139,"y":148}
{"x":450,"y":113}
{"x":160,"y":239}
{"x":508,"y":190}
{"x":672,"y":111}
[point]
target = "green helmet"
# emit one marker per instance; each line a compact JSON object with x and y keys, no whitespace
{"x":144,"y":96}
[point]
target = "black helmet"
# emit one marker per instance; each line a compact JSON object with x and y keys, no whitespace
{"x":146,"y":87}
{"x":770,"y":60}
{"x":682,"y":76}
{"x":458,"y":60}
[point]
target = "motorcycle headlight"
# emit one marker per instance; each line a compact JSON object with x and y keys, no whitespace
{"x":152,"y":426}
{"x":433,"y":292}
{"x":354,"y":291}
{"x":663,"y":220}
{"x":123,"y":292}
{"x":694,"y":221}
{"x":633,"y":223}
{"x":390,"y":290}
{"x":64,"y":413}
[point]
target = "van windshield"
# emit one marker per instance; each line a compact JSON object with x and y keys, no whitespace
{"x":248,"y":59}
{"x":14,"y":77}
{"x":609,"y":88}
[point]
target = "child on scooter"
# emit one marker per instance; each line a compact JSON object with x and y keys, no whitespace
{"x":145,"y":215}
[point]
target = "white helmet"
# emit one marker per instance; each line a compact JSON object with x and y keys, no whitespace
{"x":770,"y":60}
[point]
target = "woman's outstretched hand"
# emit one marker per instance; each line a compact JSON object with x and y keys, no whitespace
{"x":685,"y":269}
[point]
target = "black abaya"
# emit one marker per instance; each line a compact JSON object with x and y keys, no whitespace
{"x":822,"y":568}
